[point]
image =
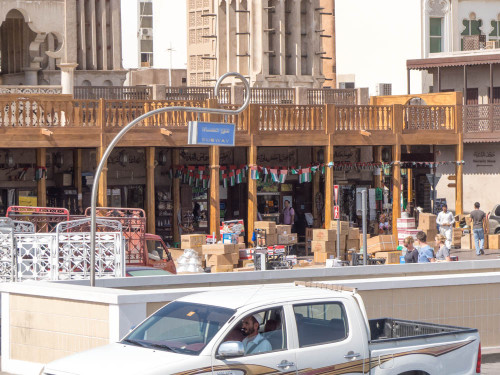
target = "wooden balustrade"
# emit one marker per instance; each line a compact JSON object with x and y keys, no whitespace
{"x":174,"y":119}
{"x":113,"y":92}
{"x":363,"y":117}
{"x":33,"y":110}
{"x":241,"y":120}
{"x":332,"y":96}
{"x":429,"y":117}
{"x":291,"y":118}
{"x":481,"y":118}
{"x":198,"y":93}
{"x":261,"y":95}
{"x":85,"y":113}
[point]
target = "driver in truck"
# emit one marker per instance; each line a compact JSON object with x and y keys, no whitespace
{"x":254,"y":342}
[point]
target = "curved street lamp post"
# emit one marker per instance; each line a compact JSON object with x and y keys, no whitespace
{"x":116,"y":139}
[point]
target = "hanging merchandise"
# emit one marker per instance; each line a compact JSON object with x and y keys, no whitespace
{"x":283,"y":174}
{"x":254,"y":172}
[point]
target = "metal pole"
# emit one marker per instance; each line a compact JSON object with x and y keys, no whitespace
{"x":109,"y":149}
{"x":364,"y":213}
{"x":338,"y":237}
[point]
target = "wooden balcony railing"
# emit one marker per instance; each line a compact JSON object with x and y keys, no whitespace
{"x":481,"y":118}
{"x":332,"y":96}
{"x":120,"y":113}
{"x":197,"y":93}
{"x":291,"y":118}
{"x":261,"y":95}
{"x":240,"y":120}
{"x":419,"y":117}
{"x":113,"y":92}
{"x":363,"y":117}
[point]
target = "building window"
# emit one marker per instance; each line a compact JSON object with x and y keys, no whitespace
{"x":436,"y":35}
{"x":495,"y":33}
{"x":472,"y":26}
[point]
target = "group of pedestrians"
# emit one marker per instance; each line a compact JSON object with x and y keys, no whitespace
{"x":425,"y":253}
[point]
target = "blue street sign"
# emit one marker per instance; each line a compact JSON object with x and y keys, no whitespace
{"x":211,"y":133}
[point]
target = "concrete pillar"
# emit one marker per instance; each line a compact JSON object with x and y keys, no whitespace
{"x":301,"y":96}
{"x":31,"y":76}
{"x":237,"y":94}
{"x":68,"y":77}
{"x":328,"y":44}
{"x":296,"y":37}
{"x":280,"y":37}
{"x":159,"y":92}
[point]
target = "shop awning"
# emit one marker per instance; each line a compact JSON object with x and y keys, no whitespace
{"x":450,"y":61}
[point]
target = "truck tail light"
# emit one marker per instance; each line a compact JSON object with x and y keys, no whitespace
{"x":478,"y":363}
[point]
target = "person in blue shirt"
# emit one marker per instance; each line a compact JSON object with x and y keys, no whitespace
{"x":425,"y":252}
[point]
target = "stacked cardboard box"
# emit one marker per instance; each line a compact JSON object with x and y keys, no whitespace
{"x":494,"y":241}
{"x":193,"y":241}
{"x":176,"y":253}
{"x":456,"y":238}
{"x":271,"y":232}
{"x":323,"y":244}
{"x":465,"y":242}
{"x":353,"y":242}
{"x":391,"y":257}
{"x":219,"y":249}
{"x":427,"y":224}
{"x":285,"y":235}
{"x":384,"y":246}
{"x":406,"y":228}
{"x":223,"y":260}
{"x":222,"y":268}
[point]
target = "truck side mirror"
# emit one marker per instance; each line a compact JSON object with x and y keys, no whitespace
{"x":231,"y":349}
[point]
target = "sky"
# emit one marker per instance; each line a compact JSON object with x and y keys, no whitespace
{"x":373,"y":41}
{"x":169,"y":25}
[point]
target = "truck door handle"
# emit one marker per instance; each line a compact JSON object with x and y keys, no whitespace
{"x":351,"y":355}
{"x":285,"y":364}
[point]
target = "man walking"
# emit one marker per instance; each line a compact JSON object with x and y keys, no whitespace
{"x":478,"y":228}
{"x":446,"y":220}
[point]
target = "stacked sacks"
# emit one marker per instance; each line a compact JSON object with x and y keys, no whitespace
{"x":190,"y":261}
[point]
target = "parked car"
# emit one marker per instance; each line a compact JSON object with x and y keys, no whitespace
{"x":145,"y":271}
{"x":494,"y":220}
{"x":303,"y":330}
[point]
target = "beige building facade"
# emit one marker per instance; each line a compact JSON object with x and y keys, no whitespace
{"x":274,"y":43}
{"x":64,"y":42}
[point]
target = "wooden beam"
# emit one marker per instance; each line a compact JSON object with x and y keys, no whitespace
{"x":77,"y":177}
{"x":398,"y":121}
{"x":176,"y":195}
{"x":102,"y":195}
{"x":214,"y":159}
{"x":252,"y":192}
{"x":328,"y":186}
{"x":459,"y":173}
{"x":150,"y":190}
{"x":41,"y":157}
{"x":377,"y":156}
{"x":46,"y":132}
{"x":409,"y":175}
{"x":165,"y":132}
{"x":316,"y":189}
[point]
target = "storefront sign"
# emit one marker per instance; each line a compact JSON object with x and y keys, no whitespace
{"x":28,"y":201}
{"x":347,"y":154}
{"x":200,"y":156}
{"x":211,"y":133}
{"x":271,"y":156}
{"x":484,"y":158}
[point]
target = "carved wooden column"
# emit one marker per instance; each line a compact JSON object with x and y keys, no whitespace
{"x":150,"y":190}
{"x":41,"y":156}
{"x":252,"y":191}
{"x":214,"y":157}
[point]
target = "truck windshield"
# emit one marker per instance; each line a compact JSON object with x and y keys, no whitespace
{"x":180,"y":327}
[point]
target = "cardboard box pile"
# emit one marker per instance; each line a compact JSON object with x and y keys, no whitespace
{"x":220,"y":249}
{"x":324,"y":244}
{"x":285,"y":235}
{"x":456,"y":238}
{"x":384,"y":246}
{"x":353,"y":239}
{"x":271,"y":232}
{"x":494,"y":241}
{"x":193,"y":241}
{"x":427,"y":224}
{"x":406,"y":228}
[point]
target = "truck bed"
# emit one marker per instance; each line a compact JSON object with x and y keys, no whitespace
{"x":390,"y":329}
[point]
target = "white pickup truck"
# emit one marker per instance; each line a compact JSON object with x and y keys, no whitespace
{"x":303,"y":329}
